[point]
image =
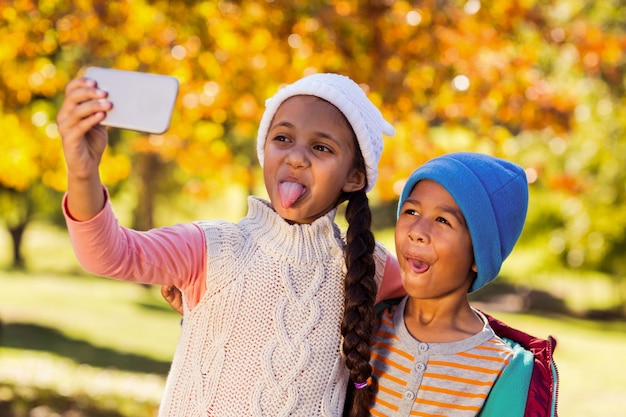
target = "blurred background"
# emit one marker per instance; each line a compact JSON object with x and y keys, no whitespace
{"x":539,"y":82}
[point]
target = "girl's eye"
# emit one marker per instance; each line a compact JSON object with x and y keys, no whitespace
{"x":280,"y":138}
{"x":322,"y":148}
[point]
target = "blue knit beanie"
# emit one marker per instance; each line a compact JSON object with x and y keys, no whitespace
{"x":492,"y":194}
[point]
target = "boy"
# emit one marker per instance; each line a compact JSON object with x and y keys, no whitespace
{"x":459,"y":217}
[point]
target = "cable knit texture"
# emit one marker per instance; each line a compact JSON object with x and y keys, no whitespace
{"x":265,"y":338}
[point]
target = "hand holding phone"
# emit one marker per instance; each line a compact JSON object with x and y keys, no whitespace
{"x":141,"y":101}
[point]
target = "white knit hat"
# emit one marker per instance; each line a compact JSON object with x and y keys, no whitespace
{"x":366,"y":120}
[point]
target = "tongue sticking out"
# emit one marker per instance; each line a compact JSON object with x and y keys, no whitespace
{"x":290,"y":192}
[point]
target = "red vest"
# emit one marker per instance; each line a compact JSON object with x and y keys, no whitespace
{"x":544,"y":382}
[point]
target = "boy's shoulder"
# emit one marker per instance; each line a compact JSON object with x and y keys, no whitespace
{"x":543,"y":387}
{"x":542,"y":349}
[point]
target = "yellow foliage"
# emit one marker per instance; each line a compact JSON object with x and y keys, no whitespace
{"x":230,"y":56}
{"x":114,"y":168}
{"x":19,"y":166}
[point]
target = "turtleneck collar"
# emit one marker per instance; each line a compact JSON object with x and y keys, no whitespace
{"x":295,"y":243}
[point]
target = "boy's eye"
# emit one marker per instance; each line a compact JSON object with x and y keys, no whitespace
{"x":442,"y":220}
{"x":411,"y":212}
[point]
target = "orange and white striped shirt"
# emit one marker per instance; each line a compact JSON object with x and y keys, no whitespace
{"x":433,"y":379}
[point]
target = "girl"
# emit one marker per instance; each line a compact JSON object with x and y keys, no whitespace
{"x":264,"y":322}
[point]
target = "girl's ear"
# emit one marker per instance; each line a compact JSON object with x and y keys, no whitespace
{"x":355,"y":181}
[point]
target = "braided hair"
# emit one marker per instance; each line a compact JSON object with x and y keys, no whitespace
{"x":360,"y":295}
{"x":359,"y":292}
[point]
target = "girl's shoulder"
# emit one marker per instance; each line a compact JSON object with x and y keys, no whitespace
{"x":381,"y":252}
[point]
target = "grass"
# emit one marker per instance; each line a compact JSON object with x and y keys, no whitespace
{"x":107,"y":347}
{"x":91,"y":320}
{"x":83,"y":341}
{"x":590,"y":360}
{"x":74,"y":341}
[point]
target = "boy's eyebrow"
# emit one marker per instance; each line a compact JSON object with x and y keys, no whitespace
{"x":454,"y":212}
{"x":457,"y":213}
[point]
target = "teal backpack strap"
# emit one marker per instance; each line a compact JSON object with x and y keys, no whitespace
{"x":385,"y":304}
{"x":509,"y":394}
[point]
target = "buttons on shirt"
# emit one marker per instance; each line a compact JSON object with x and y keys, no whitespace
{"x":423,"y":347}
{"x":420,"y":367}
{"x":408,"y":395}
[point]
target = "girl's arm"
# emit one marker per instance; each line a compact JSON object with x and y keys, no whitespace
{"x":173,"y":255}
{"x":84,"y":140}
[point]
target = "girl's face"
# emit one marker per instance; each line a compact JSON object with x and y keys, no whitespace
{"x":433,"y":244}
{"x":309,"y":159}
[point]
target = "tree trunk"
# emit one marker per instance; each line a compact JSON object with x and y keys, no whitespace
{"x":17,"y":233}
{"x":147,"y":170}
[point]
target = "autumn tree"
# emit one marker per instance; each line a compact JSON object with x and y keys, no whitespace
{"x":451,"y":75}
{"x":30,"y":159}
{"x":581,"y":185}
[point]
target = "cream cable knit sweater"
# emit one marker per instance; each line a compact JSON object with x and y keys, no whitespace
{"x":265,"y":338}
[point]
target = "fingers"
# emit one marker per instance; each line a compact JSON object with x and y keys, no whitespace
{"x":173,"y":296}
{"x":85,"y":105}
{"x":166,"y":292}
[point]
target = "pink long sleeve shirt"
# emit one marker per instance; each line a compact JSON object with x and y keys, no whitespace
{"x":102,"y":247}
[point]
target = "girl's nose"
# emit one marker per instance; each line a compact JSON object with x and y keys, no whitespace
{"x":297,"y":157}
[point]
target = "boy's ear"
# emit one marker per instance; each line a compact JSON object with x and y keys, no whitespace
{"x":474,"y":267}
{"x":355,"y":181}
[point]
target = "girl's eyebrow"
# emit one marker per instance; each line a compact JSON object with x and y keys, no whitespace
{"x":283,"y":124}
{"x":290,"y":125}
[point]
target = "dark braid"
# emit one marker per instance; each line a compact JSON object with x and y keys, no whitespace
{"x":360,"y":295}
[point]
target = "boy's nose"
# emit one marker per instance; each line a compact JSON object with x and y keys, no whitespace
{"x":418,"y":233}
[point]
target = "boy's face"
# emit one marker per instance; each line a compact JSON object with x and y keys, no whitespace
{"x":433,"y":244}
{"x":309,"y":159}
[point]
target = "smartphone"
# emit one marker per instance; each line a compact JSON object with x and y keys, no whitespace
{"x":141,"y":101}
